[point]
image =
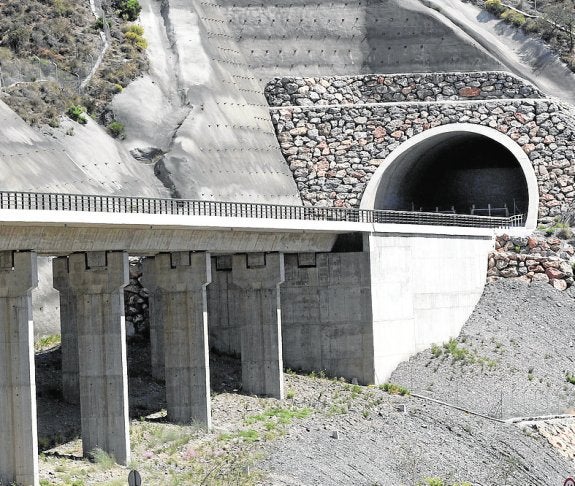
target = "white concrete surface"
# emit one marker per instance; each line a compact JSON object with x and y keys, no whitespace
{"x":180,"y":280}
{"x":18,"y":426}
{"x":423,"y":290}
{"x":326,"y":314}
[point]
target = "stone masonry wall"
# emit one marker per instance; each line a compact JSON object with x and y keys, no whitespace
{"x":334,"y":151}
{"x":380,"y":88}
{"x":536,"y":258}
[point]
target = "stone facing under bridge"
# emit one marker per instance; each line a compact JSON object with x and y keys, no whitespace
{"x":333,"y":151}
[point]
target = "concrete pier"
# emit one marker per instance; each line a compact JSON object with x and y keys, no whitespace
{"x":98,"y":279}
{"x":256,"y":280}
{"x":177,"y":284}
{"x":18,"y":426}
{"x":68,"y":331}
{"x":155,"y":308}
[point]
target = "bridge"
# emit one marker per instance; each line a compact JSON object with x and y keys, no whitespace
{"x":259,"y":279}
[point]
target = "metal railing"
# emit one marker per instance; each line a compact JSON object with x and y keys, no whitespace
{"x":187,"y":207}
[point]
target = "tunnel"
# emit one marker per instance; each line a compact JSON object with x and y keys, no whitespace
{"x":476,"y":171}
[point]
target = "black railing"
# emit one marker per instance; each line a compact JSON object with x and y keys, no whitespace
{"x":186,"y":207}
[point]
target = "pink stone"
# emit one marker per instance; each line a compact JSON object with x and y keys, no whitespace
{"x":469,"y":92}
{"x":528,"y":148}
{"x":554,"y":273}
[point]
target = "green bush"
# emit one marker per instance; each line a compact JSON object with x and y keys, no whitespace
{"x":127,"y":9}
{"x":436,"y":351}
{"x":394,"y":389}
{"x":513,"y":17}
{"x":494,"y":6}
{"x":134,"y":35}
{"x":76,"y":113}
{"x":116,"y":129}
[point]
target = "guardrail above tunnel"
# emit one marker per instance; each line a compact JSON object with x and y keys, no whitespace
{"x":34,"y":201}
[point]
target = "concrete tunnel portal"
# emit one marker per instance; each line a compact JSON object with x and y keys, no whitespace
{"x":457,"y":169}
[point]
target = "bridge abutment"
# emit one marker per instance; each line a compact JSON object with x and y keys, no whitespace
{"x":423,"y":290}
{"x":179,"y":316}
{"x":256,"y":280}
{"x":18,"y":423}
{"x":96,"y":281}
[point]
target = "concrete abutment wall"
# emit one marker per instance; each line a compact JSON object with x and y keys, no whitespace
{"x":359,"y":314}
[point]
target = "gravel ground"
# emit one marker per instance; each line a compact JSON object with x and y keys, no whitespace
{"x":357,"y":435}
{"x":515,"y":354}
{"x":380,"y":445}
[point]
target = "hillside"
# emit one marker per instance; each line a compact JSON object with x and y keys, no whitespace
{"x":56,"y":54}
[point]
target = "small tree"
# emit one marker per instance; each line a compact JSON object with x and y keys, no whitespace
{"x":127,"y":9}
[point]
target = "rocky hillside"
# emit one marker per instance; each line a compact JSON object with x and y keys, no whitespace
{"x":58,"y":54}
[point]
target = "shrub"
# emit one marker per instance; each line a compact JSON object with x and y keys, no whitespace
{"x":18,"y":38}
{"x":76,"y":113}
{"x":436,"y":351}
{"x":570,"y":378}
{"x":494,"y":6}
{"x":116,"y":129}
{"x":134,"y":36}
{"x":513,"y":17}
{"x":394,"y":389}
{"x":127,"y":9}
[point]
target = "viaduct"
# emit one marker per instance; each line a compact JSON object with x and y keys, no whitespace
{"x":335,"y":220}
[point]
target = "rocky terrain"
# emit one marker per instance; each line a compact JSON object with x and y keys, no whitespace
{"x":513,"y":358}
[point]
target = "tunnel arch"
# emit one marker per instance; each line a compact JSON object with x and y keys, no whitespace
{"x":496,"y":171}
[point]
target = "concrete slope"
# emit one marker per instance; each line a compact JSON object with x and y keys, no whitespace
{"x":87,"y":162}
{"x":519,"y":53}
{"x":338,"y":37}
{"x":200,"y":114}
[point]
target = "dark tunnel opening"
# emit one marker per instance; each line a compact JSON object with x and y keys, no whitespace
{"x":460,"y":172}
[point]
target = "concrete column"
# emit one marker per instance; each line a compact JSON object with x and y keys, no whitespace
{"x":18,"y":428}
{"x":155,"y":308}
{"x":256,"y":279}
{"x":177,"y":283}
{"x":97,"y":279}
{"x":68,"y":330}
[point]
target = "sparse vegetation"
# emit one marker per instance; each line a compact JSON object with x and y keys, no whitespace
{"x":394,"y":389}
{"x":116,"y":129}
{"x":436,"y":350}
{"x":76,"y":113}
{"x":495,"y":7}
{"x":435,"y":481}
{"x":48,"y":48}
{"x":554,"y":23}
{"x":102,"y":459}
{"x":47,"y":342}
{"x":513,"y":17}
{"x":127,"y":9}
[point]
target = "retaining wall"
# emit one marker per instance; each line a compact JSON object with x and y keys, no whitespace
{"x":382,"y":88}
